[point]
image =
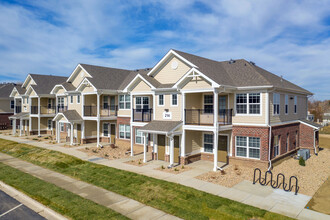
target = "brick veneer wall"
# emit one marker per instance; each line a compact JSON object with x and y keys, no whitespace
{"x":283,"y":130}
{"x":307,"y":137}
{"x":4,"y":120}
{"x":251,"y":131}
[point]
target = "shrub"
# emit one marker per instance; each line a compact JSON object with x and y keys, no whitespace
{"x":162,"y":167}
{"x":35,"y":139}
{"x":46,"y":138}
{"x":176,"y":169}
{"x":182,"y":167}
{"x":223,"y":172}
{"x":302,"y":161}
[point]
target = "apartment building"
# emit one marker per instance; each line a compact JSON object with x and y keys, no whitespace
{"x":34,"y":105}
{"x":186,"y":108}
{"x":6,"y":105}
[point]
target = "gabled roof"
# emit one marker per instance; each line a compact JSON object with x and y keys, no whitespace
{"x":70,"y":115}
{"x":20,"y":115}
{"x":45,"y":83}
{"x":161,"y":126}
{"x":68,"y":86}
{"x":311,"y":124}
{"x":239,"y":73}
{"x":6,"y":89}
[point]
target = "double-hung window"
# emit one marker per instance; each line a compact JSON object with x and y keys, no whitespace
{"x":241,"y":103}
{"x":208,"y":143}
{"x":142,"y":102}
{"x":105,"y":102}
{"x":208,"y":103}
{"x":248,"y":103}
{"x":12,"y":104}
{"x":295,"y":104}
{"x":254,"y":103}
{"x":124,"y":101}
{"x":106,"y":129}
{"x":276,"y":145}
{"x":61,"y":127}
{"x":139,"y":138}
{"x":174,"y":100}
{"x":287,"y":142}
{"x":124,"y":131}
{"x":161,"y":100}
{"x":50,"y":124}
{"x":71,"y":99}
{"x":23,"y":99}
{"x":286,"y":104}
{"x":276,"y":104}
{"x":248,"y":147}
{"x":78,"y":99}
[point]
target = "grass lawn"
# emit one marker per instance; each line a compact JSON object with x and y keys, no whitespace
{"x":178,"y":200}
{"x":56,"y":198}
{"x":324,"y":141}
{"x":325,"y":130}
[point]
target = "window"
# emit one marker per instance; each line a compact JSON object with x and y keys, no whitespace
{"x":61,"y":127}
{"x":241,"y":103}
{"x":276,"y":145}
{"x":105,"y":102}
{"x":208,"y":103}
{"x":124,"y":131}
{"x":78,"y":99}
{"x":139,"y":138}
{"x":286,"y":104}
{"x":49,"y":124}
{"x":142,"y":102}
{"x":105,"y":129}
{"x":71,"y":99}
{"x":174,"y":99}
{"x":296,"y":139}
{"x":208,"y":143}
{"x":12,"y":104}
{"x":27,"y":100}
{"x":161,"y":100}
{"x":287,"y":142}
{"x":254,"y":103}
{"x":124,"y":101}
{"x":23,"y":99}
{"x":276,"y":104}
{"x":49,"y":103}
{"x":248,"y":147}
{"x":295,"y":104}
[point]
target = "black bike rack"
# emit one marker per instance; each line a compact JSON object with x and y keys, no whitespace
{"x":275,"y":184}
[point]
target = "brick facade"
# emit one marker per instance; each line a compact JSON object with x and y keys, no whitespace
{"x":307,"y":137}
{"x":4,"y":121}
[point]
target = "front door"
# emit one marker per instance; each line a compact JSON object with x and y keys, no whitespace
{"x":176,"y":149}
{"x":222,"y":149}
{"x":78,"y":133}
{"x":112,"y":133}
{"x":161,"y":147}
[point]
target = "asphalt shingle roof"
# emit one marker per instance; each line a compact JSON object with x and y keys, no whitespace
{"x":311,"y":123}
{"x":162,"y":126}
{"x":72,"y":115}
{"x":45,"y":83}
{"x":6,"y":89}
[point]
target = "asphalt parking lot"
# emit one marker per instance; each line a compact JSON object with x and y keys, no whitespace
{"x":11,"y":209}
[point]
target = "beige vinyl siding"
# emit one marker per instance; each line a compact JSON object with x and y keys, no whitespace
{"x":5,"y":105}
{"x":89,"y":100}
{"x":199,"y":83}
{"x":282,"y":117}
{"x":32,"y":93}
{"x":78,"y":78}
{"x":165,"y":74}
{"x":63,"y":119}
{"x":43,"y":123}
{"x":75,"y":105}
{"x":91,"y":128}
{"x":87,"y":89}
{"x":34,"y":121}
{"x":124,"y":112}
{"x":193,"y":141}
{"x":252,"y":119}
{"x":60,"y":91}
{"x":141,"y":87}
{"x":175,"y":110}
{"x":26,"y":107}
{"x":30,"y":82}
{"x":194,"y":101}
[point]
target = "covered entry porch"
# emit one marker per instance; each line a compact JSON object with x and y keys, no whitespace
{"x":23,"y":119}
{"x":166,"y":140}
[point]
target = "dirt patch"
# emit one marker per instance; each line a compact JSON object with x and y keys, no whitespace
{"x":321,"y":200}
{"x":310,"y":177}
{"x":138,"y":162}
{"x":174,"y":170}
{"x":111,"y":152}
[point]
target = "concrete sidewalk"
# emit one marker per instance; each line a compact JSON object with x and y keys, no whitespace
{"x":126,"y":206}
{"x":264,"y":197}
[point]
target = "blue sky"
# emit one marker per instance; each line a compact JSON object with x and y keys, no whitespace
{"x":289,"y":38}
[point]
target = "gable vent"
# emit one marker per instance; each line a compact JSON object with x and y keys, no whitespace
{"x":231,"y":61}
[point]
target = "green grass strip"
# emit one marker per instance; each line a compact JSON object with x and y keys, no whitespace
{"x":56,"y":198}
{"x":175,"y":199}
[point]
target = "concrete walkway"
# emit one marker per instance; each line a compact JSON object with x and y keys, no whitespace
{"x":126,"y":206}
{"x":264,"y":197}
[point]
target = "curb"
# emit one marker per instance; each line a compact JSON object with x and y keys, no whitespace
{"x":31,"y":203}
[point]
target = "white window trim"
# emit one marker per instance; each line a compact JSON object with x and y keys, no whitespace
{"x":286,"y":103}
{"x":203,"y":104}
{"x":103,"y":129}
{"x":142,"y":101}
{"x":124,"y":138}
{"x":177,"y":99}
{"x":159,"y":99}
{"x":71,"y":99}
{"x":203,"y":147}
{"x":279,"y":146}
{"x":279,"y":103}
{"x":247,"y":148}
{"x":248,"y":104}
{"x":51,"y":125}
{"x":142,"y":137}
{"x":124,"y":102}
{"x":61,"y":126}
{"x":78,"y":99}
{"x":12,"y":101}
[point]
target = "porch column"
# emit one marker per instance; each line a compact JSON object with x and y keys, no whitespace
{"x":98,"y":119}
{"x":131,"y":101}
{"x":15,"y":106}
{"x":20,"y":127}
{"x":154,"y":141}
{"x":30,"y":125}
{"x":215,"y":107}
{"x":26,"y":126}
{"x":14,"y":126}
{"x":183,"y":143}
{"x":39,"y":117}
{"x":71,"y":134}
{"x":83,"y":130}
{"x":145,"y":140}
{"x":183,"y":107}
{"x":83,"y":105}
{"x":171,"y":150}
{"x":58,"y":132}
{"x":215,"y":149}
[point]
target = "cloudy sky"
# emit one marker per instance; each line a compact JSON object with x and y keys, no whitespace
{"x":289,"y":38}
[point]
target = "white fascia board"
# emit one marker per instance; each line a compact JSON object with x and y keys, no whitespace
{"x":28,"y":89}
{"x":12,"y":95}
{"x":133,"y":81}
{"x":198,"y":128}
{"x":214,"y":84}
{"x":309,"y":125}
{"x":169,"y":53}
{"x":58,"y":115}
{"x":82,"y":83}
{"x":53,"y":90}
{"x":74,"y":72}
{"x":26,"y":79}
{"x":253,"y":87}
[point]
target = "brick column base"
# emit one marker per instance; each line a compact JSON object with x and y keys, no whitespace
{"x":183,"y":161}
{"x":154,"y":156}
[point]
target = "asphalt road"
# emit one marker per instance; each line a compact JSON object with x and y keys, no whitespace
{"x":11,"y":209}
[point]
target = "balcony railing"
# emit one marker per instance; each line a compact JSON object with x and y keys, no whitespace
{"x":206,"y":117}
{"x":62,"y":108}
{"x":34,"y":109}
{"x":142,"y":115}
{"x":18,"y":109}
{"x":43,"y":110}
{"x":91,"y":111}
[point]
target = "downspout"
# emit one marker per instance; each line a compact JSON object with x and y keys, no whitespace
{"x":315,"y":142}
{"x":270,"y":133}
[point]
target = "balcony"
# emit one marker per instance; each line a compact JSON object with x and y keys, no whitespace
{"x":91,"y":111}
{"x":43,"y":110}
{"x":142,"y":115}
{"x":62,"y":108}
{"x":18,"y":109}
{"x":206,"y":117}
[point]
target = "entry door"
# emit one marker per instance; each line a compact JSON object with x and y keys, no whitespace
{"x":176,"y":149}
{"x":112,"y":133}
{"x":222,"y":149}
{"x":161,"y":147}
{"x":78,"y":133}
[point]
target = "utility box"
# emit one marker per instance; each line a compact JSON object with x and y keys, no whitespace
{"x":304,"y":153}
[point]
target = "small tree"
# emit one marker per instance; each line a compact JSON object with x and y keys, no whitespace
{"x":302,"y":161}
